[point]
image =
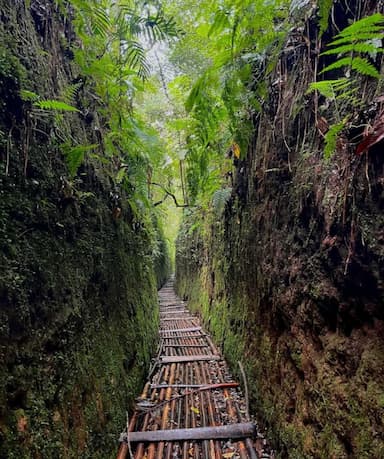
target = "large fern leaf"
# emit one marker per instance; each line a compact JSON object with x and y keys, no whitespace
{"x":364,"y":37}
{"x":135,"y":58}
{"x":57,"y":105}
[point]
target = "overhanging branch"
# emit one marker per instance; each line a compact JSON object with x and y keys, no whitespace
{"x":168,"y":193}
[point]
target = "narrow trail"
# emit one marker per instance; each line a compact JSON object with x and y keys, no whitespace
{"x":190,"y":408}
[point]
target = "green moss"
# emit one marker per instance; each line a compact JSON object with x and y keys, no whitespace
{"x":79,"y":316}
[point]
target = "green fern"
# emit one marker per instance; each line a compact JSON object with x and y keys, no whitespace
{"x":220,"y":199}
{"x":370,"y":24}
{"x":364,"y":67}
{"x":50,"y":104}
{"x":366,"y":47}
{"x":325,"y":7}
{"x":28,"y":96}
{"x":70,"y":92}
{"x":329,"y":88}
{"x":365,"y":37}
{"x":135,"y":58}
{"x":74,"y":155}
{"x":56,"y":105}
{"x":330,"y":139}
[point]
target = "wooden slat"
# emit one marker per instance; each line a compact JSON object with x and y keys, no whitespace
{"x":186,"y":345}
{"x":171,"y":313}
{"x":178,"y":330}
{"x":177,"y":318}
{"x":231,"y":431}
{"x":193,"y":386}
{"x":187,"y":358}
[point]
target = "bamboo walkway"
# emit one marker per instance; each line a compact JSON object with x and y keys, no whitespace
{"x":190,"y":408}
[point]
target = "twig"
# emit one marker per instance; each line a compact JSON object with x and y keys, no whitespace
{"x":367,"y":174}
{"x":246,"y":395}
{"x":156,"y":362}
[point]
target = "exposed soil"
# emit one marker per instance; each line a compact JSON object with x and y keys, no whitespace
{"x":290,"y":278}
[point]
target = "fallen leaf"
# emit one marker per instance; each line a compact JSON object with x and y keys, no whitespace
{"x":195,"y":410}
{"x":236,"y":150}
{"x":373,"y":137}
{"x":228,"y":455}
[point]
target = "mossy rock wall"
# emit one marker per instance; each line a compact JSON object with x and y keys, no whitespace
{"x":289,"y":278}
{"x":78,"y":284}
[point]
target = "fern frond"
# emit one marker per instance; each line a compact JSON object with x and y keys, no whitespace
{"x":135,"y":59}
{"x":74,"y":155}
{"x":100,"y":22}
{"x":353,"y":47}
{"x":28,"y":96}
{"x":369,"y":24}
{"x":158,"y":28}
{"x":329,"y":88}
{"x":364,"y":67}
{"x":331,"y":139}
{"x":57,"y":105}
{"x":338,"y":64}
{"x":363,"y":37}
{"x":70,"y":92}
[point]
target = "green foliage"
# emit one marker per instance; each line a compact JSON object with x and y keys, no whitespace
{"x":227,"y":84}
{"x":351,"y":46}
{"x":329,"y":88}
{"x":325,"y":7}
{"x":220,"y":199}
{"x":49,"y":104}
{"x":57,"y":105}
{"x":74,"y":155}
{"x":28,"y":96}
{"x":330,"y":139}
{"x":363,"y":36}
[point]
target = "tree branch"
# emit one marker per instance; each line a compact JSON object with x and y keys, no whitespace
{"x":168,"y":193}
{"x":157,"y":203}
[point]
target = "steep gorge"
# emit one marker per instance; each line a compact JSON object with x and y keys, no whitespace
{"x":288,"y":277}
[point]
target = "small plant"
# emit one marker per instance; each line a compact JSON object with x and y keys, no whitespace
{"x":352,"y":45}
{"x":362,"y":37}
{"x":74,"y":155}
{"x":46,"y":104}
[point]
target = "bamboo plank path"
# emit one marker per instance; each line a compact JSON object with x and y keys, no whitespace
{"x":190,"y":408}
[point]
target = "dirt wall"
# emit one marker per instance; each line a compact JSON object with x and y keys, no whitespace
{"x":289,"y":277}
